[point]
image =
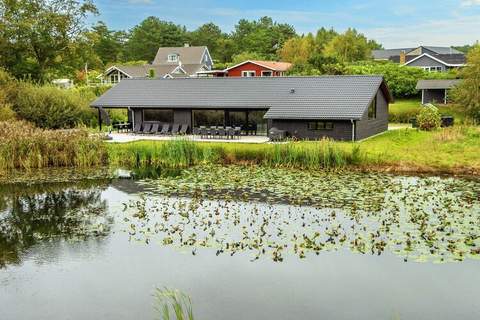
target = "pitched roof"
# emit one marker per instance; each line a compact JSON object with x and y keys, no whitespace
{"x":390,"y":53}
{"x":387,"y":53}
{"x":443,"y":50}
{"x":446,"y":59}
{"x":453,"y":60}
{"x":160,"y":70}
{"x":272,"y":65}
{"x":437,"y":84}
{"x":326,"y":97}
{"x":188,"y":55}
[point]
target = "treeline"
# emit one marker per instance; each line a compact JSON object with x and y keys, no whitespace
{"x":47,"y":39}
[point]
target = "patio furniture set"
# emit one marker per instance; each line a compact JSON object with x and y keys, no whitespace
{"x":154,"y":128}
{"x":218,"y":132}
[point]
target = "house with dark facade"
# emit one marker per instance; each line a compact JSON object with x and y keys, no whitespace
{"x":171,"y":62}
{"x":432,"y":59}
{"x":436,"y":91}
{"x":346,"y":108}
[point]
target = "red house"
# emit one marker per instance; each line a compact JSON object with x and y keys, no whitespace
{"x":254,"y":68}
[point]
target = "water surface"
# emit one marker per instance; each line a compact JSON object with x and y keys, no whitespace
{"x":243,"y":243}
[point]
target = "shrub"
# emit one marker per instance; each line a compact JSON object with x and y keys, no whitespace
{"x":51,"y":107}
{"x":25,"y":146}
{"x":402,"y":81}
{"x":429,"y":118}
{"x":6,"y":113}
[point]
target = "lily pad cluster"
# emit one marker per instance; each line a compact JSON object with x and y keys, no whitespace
{"x":279,"y":213}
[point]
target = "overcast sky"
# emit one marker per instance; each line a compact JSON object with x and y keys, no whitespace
{"x":393,"y":23}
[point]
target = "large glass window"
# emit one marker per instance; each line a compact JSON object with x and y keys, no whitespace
{"x":256,"y":117}
{"x":237,"y":118}
{"x":372,"y":109}
{"x":158,"y":115}
{"x":208,"y":118}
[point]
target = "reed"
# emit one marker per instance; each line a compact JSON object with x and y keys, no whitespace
{"x":324,"y":154}
{"x":173,"y":304}
{"x":24,"y":146}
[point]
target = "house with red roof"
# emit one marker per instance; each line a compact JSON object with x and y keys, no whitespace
{"x":251,"y":68}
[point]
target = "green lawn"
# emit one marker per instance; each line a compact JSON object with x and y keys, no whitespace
{"x":455,"y":149}
{"x":405,"y":109}
{"x":448,"y":150}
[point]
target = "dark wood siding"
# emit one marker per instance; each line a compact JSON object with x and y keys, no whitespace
{"x":365,"y":127}
{"x":342,"y":130}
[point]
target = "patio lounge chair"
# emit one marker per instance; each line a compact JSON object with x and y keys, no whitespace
{"x":165,"y":129}
{"x":137,"y":128}
{"x":154,"y":128}
{"x":146,"y":128}
{"x":184,"y":129}
{"x":175,"y":129}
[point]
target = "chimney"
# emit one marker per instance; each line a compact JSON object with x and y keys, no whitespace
{"x":403,"y":57}
{"x":186,"y":45}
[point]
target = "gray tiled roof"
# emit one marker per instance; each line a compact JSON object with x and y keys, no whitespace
{"x":446,"y":58}
{"x":327,"y":97}
{"x":443,"y":50}
{"x":160,"y":70}
{"x":437,"y":84}
{"x":389,"y":53}
{"x":188,"y":55}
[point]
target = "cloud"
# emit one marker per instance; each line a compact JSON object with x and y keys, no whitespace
{"x":447,"y":32}
{"x":469,"y":3}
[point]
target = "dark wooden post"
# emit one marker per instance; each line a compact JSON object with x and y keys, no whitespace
{"x":226,"y":121}
{"x":100,"y":119}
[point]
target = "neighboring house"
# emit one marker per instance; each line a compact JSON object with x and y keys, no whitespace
{"x":436,"y":91}
{"x":337,"y":107}
{"x":252,"y":68}
{"x":172,"y":62}
{"x":63,"y":83}
{"x":432,"y":59}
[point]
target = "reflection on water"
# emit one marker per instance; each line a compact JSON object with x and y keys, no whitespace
{"x":30,"y":214}
{"x":243,"y":243}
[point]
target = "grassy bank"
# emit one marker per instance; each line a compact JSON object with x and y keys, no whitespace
{"x":23,"y":146}
{"x":182,"y":153}
{"x":450,"y":150}
{"x":405,"y":109}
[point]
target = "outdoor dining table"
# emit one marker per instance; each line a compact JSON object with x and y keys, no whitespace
{"x":122,"y":126}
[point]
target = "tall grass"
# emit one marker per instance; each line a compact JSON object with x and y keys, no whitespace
{"x":24,"y":146}
{"x":172,"y":304}
{"x":183,"y":153}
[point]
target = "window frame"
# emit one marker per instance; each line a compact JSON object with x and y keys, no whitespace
{"x":249,"y":72}
{"x":374,"y":109}
{"x":320,"y":125}
{"x":172,"y":57}
{"x":267,"y":71}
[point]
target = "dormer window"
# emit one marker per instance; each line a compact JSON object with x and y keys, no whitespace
{"x":172,"y":58}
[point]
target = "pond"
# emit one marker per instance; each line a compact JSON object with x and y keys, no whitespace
{"x":242,"y":242}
